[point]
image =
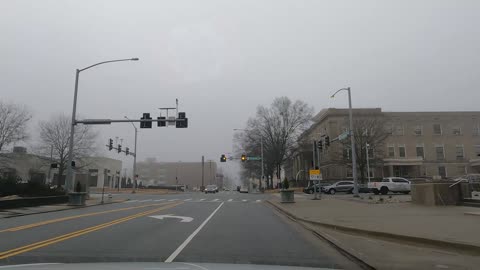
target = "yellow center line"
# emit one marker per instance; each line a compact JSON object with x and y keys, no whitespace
{"x":28,"y":226}
{"x":37,"y":245}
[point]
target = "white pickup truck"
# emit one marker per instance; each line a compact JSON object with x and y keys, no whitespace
{"x":393,"y":184}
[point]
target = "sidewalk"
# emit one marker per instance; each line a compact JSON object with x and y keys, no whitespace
{"x":454,"y":225}
{"x":6,"y":213}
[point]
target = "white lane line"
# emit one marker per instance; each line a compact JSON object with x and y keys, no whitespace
{"x":145,"y":200}
{"x":131,"y":201}
{"x":159,"y":200}
{"x":30,"y":264}
{"x":187,"y":200}
{"x":214,"y":200}
{"x":172,"y":200}
{"x":257,"y":201}
{"x":185,"y":243}
{"x":244,"y":200}
{"x":229,"y":200}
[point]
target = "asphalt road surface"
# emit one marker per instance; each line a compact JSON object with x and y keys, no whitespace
{"x":227,"y":227}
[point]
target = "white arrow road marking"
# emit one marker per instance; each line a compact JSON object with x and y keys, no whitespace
{"x":183,"y":219}
{"x":230,"y":200}
{"x":159,"y":200}
{"x":185,"y":243}
{"x":188,"y":200}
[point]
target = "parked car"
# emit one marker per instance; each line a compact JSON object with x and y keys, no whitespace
{"x":393,"y":184}
{"x":340,"y":186}
{"x":211,"y":189}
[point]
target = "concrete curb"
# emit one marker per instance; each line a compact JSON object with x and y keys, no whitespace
{"x":465,"y":248}
{"x":62,"y":209}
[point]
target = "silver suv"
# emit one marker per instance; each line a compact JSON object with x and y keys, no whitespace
{"x":340,"y":186}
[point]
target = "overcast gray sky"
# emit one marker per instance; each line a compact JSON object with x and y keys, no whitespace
{"x":223,"y":58}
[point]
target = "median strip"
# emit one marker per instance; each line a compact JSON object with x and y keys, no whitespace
{"x":37,"y":245}
{"x":28,"y":226}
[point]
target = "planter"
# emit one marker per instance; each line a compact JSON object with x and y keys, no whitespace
{"x":287,"y":196}
{"x":77,"y":198}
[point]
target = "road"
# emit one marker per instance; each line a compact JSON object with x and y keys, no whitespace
{"x":227,"y":227}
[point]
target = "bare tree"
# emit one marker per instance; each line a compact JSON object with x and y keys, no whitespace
{"x":13,"y":123}
{"x":369,"y":131}
{"x":55,"y":134}
{"x":279,"y":126}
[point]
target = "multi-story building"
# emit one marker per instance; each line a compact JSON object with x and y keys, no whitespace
{"x":417,"y":144}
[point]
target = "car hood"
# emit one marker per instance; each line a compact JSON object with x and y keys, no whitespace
{"x":149,"y":265}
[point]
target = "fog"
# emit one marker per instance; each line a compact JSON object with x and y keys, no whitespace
{"x":223,"y":58}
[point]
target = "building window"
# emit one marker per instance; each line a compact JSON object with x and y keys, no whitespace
{"x":440,"y":153}
{"x":477,"y":150}
{"x":476,"y":130}
{"x":401,"y":151}
{"x":442,"y":171}
{"x":399,"y":130}
{"x":389,"y":129}
{"x":459,"y":153}
{"x":457,"y":131}
{"x":420,"y":152}
{"x":391,"y":151}
{"x":461,"y":170}
{"x":349,"y":173}
{"x":437,"y":129}
{"x":418,"y":130}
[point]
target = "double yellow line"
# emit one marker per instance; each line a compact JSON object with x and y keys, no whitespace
{"x":37,"y":245}
{"x":28,"y":226}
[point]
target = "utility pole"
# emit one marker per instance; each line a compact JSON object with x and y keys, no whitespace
{"x":203,"y":175}
{"x":368,"y":162}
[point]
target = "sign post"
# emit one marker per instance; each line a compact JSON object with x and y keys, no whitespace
{"x":316,"y":176}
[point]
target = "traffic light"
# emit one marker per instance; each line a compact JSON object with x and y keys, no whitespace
{"x":127,"y":151}
{"x":223,"y":158}
{"x":182,"y":124}
{"x":320,"y":145}
{"x":54,"y":165}
{"x":119,"y":149}
{"x":327,"y":141}
{"x":110,"y":145}
{"x":146,"y":116}
{"x":161,"y":123}
{"x":243,"y":158}
{"x":73,"y":163}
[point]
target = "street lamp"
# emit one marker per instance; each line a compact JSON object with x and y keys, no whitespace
{"x":69,"y":180}
{"x":261,"y":149}
{"x":134,"y":158}
{"x":352,"y":139}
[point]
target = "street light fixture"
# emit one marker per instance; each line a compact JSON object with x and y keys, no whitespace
{"x":134,"y":159}
{"x":69,"y":178}
{"x":352,"y":139}
{"x":261,"y":149}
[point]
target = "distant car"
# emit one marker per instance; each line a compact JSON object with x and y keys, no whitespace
{"x":243,"y":189}
{"x":394,"y":184}
{"x":211,"y":189}
{"x":340,"y":186}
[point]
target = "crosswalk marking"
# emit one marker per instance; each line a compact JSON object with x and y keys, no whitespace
{"x":187,"y":200}
{"x":172,"y":200}
{"x":191,"y":200}
{"x":131,"y":201}
{"x":202,"y":199}
{"x":145,"y":200}
{"x":214,"y":200}
{"x":229,"y":200}
{"x":257,"y":201}
{"x":244,"y":200}
{"x":159,"y":200}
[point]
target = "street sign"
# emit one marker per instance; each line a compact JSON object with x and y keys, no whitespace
{"x":254,"y":158}
{"x":315,"y":175}
{"x":343,"y":136}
